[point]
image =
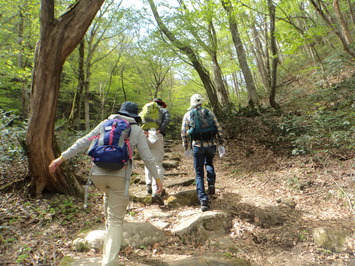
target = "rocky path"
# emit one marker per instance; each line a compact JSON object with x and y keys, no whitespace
{"x":278,"y":216}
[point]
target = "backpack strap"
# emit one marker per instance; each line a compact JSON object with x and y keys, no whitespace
{"x":112,"y":131}
{"x":128,"y":142}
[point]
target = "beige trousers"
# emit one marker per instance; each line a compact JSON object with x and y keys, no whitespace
{"x":115,"y":206}
{"x":157,"y":150}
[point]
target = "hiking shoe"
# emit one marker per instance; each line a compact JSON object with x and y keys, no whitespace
{"x":163,"y":193}
{"x":211,"y":190}
{"x":204,"y":205}
{"x":149,"y":188}
{"x":156,"y":198}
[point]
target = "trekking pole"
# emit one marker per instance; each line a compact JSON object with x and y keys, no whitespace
{"x":86,"y":195}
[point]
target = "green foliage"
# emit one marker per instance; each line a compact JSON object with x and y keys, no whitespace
{"x":66,"y":261}
{"x":62,"y":209}
{"x":10,"y":240}
{"x":22,"y":258}
{"x":303,"y":236}
{"x":65,"y":208}
{"x":82,"y":246}
{"x":12,"y":143}
{"x":294,"y":183}
{"x":19,"y":22}
{"x":328,"y":126}
{"x":227,"y":255}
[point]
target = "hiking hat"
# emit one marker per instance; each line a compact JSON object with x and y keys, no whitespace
{"x":129,"y":109}
{"x":196,"y":100}
{"x":160,"y":102}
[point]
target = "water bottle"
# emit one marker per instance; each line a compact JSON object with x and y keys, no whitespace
{"x":152,"y":135}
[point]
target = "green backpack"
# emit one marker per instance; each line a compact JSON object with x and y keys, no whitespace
{"x":151,"y":116}
{"x":202,"y":125}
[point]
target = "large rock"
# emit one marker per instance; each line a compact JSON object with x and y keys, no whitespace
{"x":331,"y":239}
{"x":141,"y":234}
{"x":183,"y":260}
{"x":183,"y":198}
{"x":90,"y":240}
{"x":179,"y":182}
{"x":170,"y":164}
{"x":201,"y":226}
{"x":174,"y":156}
{"x":134,"y":235}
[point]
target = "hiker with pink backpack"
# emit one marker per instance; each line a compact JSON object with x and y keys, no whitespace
{"x":111,"y":144}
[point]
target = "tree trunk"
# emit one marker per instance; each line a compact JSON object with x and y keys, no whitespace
{"x":222,"y":92}
{"x":344,"y":27}
{"x":58,"y":38}
{"x":236,"y":85}
{"x":274,"y":60}
{"x":333,"y":25}
{"x":74,"y":117}
{"x":248,"y":77}
{"x":20,"y":64}
{"x":351,"y":11}
{"x":122,"y":84}
{"x":188,"y":51}
{"x":260,"y":58}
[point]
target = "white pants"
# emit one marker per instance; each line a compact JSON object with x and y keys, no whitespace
{"x":115,"y":206}
{"x":157,"y":150}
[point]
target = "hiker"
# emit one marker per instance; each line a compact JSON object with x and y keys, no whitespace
{"x":157,"y":127}
{"x":115,"y":183}
{"x":203,"y":145}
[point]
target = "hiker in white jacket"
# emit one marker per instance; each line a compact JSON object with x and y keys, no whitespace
{"x":115,"y":183}
{"x":157,"y":149}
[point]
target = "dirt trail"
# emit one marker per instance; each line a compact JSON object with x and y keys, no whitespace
{"x":276,"y":203}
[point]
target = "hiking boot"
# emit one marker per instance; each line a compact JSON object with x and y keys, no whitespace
{"x":204,"y":205}
{"x":156,"y":198}
{"x":149,"y":188}
{"x":164,"y":193}
{"x":211,"y":190}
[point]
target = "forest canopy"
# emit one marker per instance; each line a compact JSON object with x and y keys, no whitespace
{"x":124,"y":54}
{"x":69,"y":64}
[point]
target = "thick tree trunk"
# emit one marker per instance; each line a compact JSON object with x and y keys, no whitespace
{"x":58,"y":39}
{"x":248,"y":77}
{"x":189,"y":52}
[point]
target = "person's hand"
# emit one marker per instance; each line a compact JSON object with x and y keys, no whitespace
{"x":55,"y":163}
{"x":146,"y":133}
{"x":187,"y":154}
{"x":221,"y":151}
{"x":159,"y":186}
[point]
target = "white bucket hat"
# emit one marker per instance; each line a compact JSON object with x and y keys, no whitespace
{"x":195,"y":100}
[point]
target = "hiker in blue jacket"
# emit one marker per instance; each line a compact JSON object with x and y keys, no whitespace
{"x":203,"y":150}
{"x":115,"y":183}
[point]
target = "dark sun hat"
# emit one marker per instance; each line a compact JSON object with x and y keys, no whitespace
{"x":129,"y":109}
{"x":160,"y":102}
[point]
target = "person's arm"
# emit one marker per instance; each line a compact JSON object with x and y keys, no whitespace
{"x":148,"y":159}
{"x":79,"y":145}
{"x":55,"y":163}
{"x":220,"y":133}
{"x":165,"y":121}
{"x":184,"y":128}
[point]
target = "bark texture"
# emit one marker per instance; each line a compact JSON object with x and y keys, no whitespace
{"x":58,"y":38}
